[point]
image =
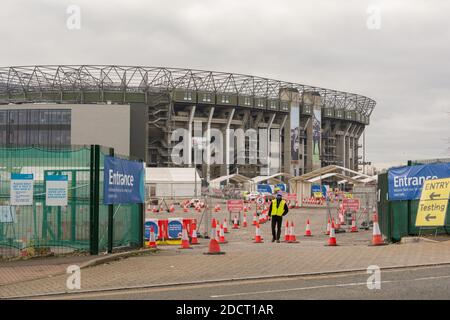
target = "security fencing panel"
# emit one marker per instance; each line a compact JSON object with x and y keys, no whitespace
{"x":48,"y":200}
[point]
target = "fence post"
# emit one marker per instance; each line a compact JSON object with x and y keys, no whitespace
{"x":142,"y":217}
{"x":95,"y":198}
{"x":110,"y":218}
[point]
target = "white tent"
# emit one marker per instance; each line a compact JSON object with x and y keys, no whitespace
{"x":172,"y":182}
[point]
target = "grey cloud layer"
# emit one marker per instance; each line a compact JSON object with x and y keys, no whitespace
{"x":404,"y":65}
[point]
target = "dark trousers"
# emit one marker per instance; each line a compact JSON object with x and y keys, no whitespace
{"x":277,"y":221}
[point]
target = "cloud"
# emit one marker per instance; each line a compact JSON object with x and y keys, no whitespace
{"x":403,"y":66}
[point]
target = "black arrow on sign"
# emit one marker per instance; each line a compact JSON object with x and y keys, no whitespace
{"x":434,"y":195}
{"x":428,"y":217}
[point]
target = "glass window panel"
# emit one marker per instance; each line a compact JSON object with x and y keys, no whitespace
{"x":3,"y":116}
{"x":13,"y":116}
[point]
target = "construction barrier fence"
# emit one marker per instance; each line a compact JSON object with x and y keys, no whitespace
{"x":85,"y":224}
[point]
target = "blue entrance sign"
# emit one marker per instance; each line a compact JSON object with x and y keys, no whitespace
{"x":264,"y":188}
{"x":405,"y":183}
{"x":123,"y":181}
{"x":149,"y":224}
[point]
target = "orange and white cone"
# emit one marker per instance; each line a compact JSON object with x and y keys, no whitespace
{"x":332,"y":238}
{"x":308,"y":230}
{"x":244,"y":223}
{"x":254,"y":219}
{"x":222,"y":235}
{"x":235,"y":223}
{"x":292,"y":237}
{"x":286,"y":232}
{"x":354,"y":228}
{"x":225,"y":225}
{"x":152,"y":240}
{"x":328,"y":227}
{"x":154,"y":210}
{"x":185,"y":239}
{"x":213,"y":247}
{"x":341,"y":218}
{"x":161,"y":209}
{"x":185,"y":208}
{"x":377,"y":239}
{"x":337,"y":225}
{"x":258,"y":238}
{"x":218,"y":230}
{"x":194,"y":239}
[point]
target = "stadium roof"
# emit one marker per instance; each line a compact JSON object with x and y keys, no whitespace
{"x":33,"y":81}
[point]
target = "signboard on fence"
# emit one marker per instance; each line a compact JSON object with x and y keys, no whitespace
{"x":148,"y":224}
{"x":433,"y":203}
{"x":175,"y":228}
{"x":351,"y":204}
{"x":406,"y":183}
{"x":123,"y":181}
{"x":235,"y":205}
{"x":21,"y":189}
{"x":56,"y":190}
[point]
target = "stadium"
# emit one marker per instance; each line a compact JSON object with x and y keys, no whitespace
{"x":136,"y":109}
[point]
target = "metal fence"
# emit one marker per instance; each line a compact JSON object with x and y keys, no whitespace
{"x":84,"y":225}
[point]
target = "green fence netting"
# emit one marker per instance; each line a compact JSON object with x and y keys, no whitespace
{"x":39,"y":229}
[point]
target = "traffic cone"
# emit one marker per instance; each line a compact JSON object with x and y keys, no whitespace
{"x":213,"y":247}
{"x":235,"y":223}
{"x":184,"y":239}
{"x":332,"y":238}
{"x":185,"y":209}
{"x":328,"y":227}
{"x":292,"y":237}
{"x":213,"y":224}
{"x":377,"y":239}
{"x":341,"y":217}
{"x":222,"y":235}
{"x":172,"y":208}
{"x":308,"y":230}
{"x":244,"y":223}
{"x":225,"y":225}
{"x":254,"y":219}
{"x":218,"y":230}
{"x":154,"y":210}
{"x":354,"y":229}
{"x":258,"y":238}
{"x":194,"y":239}
{"x":286,"y":232}
{"x":152,"y":241}
{"x":336,"y":224}
{"x":161,"y":209}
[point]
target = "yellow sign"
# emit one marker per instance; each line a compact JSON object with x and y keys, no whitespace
{"x":433,"y":203}
{"x":318,"y":194}
{"x":349,"y":195}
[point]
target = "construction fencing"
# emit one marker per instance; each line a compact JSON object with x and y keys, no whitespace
{"x":85,"y":224}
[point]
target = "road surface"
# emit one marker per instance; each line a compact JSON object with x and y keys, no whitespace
{"x":405,"y":283}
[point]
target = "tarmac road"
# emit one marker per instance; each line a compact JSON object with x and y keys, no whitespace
{"x":422,"y":283}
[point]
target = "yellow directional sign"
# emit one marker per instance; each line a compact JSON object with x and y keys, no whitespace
{"x":318,"y":194}
{"x":433,"y":203}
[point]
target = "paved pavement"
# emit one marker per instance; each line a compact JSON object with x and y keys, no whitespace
{"x":244,"y":259}
{"x":410,"y":283}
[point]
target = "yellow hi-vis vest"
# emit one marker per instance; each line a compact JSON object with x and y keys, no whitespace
{"x":277,"y":211}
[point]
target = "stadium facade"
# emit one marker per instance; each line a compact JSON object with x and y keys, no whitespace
{"x":137,"y":109}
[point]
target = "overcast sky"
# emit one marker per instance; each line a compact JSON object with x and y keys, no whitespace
{"x":404,"y":64}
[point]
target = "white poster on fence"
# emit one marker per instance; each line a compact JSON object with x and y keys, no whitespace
{"x":21,"y":189}
{"x":56,"y":190}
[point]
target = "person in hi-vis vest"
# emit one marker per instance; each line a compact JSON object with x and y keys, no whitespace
{"x":277,"y":210}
